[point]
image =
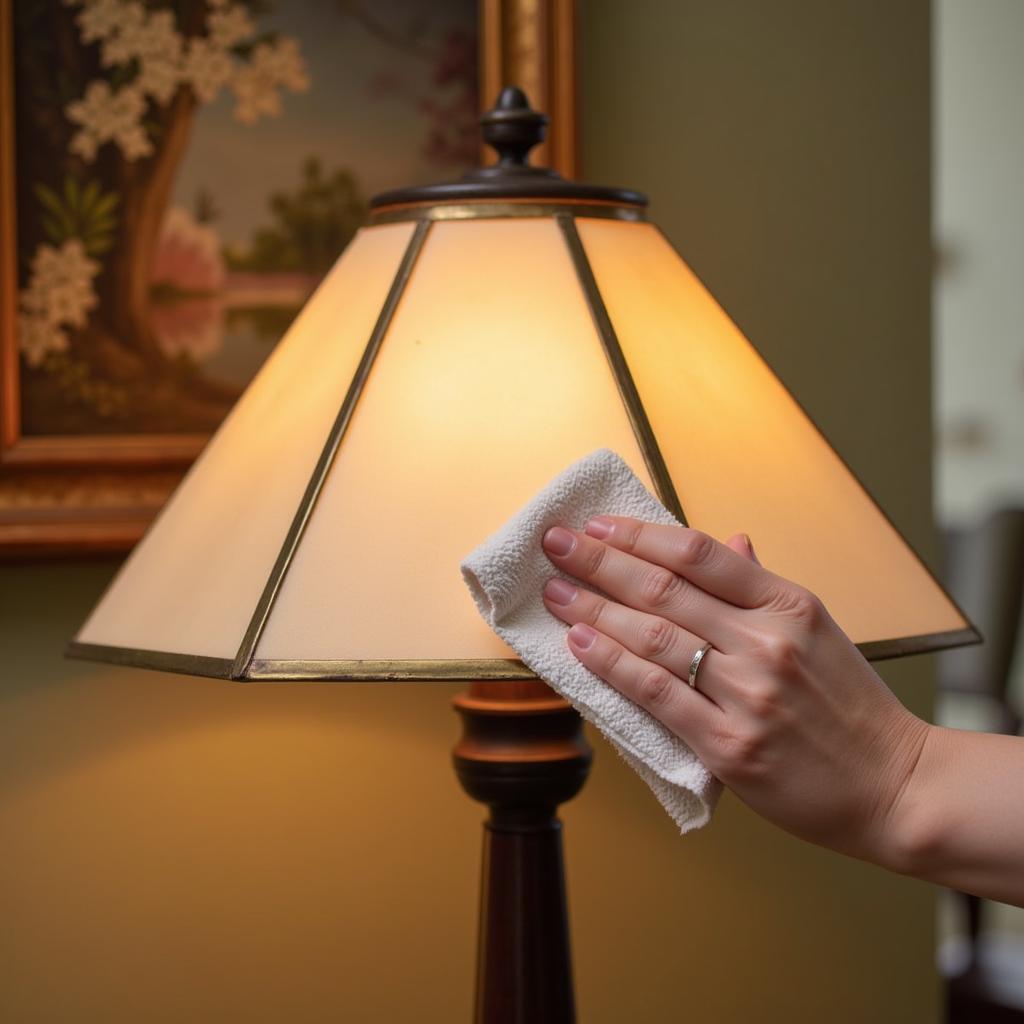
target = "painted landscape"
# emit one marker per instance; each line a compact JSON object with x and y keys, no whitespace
{"x":188,"y":171}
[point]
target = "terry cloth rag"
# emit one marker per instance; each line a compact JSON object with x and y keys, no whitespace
{"x":506,"y":575}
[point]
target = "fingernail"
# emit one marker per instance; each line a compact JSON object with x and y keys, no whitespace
{"x":750,"y":547}
{"x":599,"y":527}
{"x":582,"y":636}
{"x":559,"y":591}
{"x":559,"y":541}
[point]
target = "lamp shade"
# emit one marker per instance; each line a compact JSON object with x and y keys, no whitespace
{"x":472,"y":341}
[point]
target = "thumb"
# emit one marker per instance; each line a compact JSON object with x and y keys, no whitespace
{"x":742,"y":545}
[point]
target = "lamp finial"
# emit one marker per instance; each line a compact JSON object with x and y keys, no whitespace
{"x":512,"y":127}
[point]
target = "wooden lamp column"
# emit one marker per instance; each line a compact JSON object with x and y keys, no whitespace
{"x":522,"y":753}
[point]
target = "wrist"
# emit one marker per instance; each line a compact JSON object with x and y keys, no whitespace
{"x":911,"y":835}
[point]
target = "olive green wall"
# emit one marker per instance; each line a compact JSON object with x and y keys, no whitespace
{"x":187,"y":850}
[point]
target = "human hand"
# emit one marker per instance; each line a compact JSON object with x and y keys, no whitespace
{"x":786,"y":712}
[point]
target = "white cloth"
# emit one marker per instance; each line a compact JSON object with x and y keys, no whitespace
{"x":506,"y":575}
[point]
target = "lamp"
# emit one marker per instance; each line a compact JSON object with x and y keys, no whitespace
{"x":474,"y":339}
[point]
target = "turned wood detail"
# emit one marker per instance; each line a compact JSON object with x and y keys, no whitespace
{"x":522,"y":753}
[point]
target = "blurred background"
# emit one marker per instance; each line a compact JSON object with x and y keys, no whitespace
{"x":978,"y":342}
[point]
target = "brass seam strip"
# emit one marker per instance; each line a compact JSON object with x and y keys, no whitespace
{"x":970,"y":634}
{"x":484,"y":210}
{"x":473,"y":669}
{"x":433,"y":671}
{"x":927,"y":643}
{"x":305,"y":510}
{"x":160,"y":661}
{"x":620,"y":369}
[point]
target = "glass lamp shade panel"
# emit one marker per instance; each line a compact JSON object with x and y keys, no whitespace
{"x":742,"y":454}
{"x":491,"y":381}
{"x":448,"y":367}
{"x":191,"y":584}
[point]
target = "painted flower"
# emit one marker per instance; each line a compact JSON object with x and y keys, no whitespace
{"x":64,"y":304}
{"x":207,"y":69}
{"x":271,"y":65}
{"x":159,"y":76}
{"x":37,"y":338}
{"x":255,"y":95}
{"x":285,"y":64}
{"x":228,"y":26}
{"x":130,"y":36}
{"x":107,"y":116}
{"x":60,"y":286}
{"x":98,"y":19}
{"x":52,"y":266}
{"x":152,"y":39}
{"x":59,"y":292}
{"x":160,"y":58}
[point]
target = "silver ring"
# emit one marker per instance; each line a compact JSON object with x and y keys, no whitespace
{"x":695,"y":664}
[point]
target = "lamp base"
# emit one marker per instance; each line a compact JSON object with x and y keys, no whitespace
{"x":522,"y":753}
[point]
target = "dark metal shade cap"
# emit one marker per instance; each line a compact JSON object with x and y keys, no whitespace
{"x":512,"y":128}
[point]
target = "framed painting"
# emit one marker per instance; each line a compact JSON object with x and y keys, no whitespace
{"x":175,"y":178}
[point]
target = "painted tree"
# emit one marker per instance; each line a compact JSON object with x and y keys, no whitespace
{"x":144,"y":69}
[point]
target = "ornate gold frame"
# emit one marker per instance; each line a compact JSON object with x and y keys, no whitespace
{"x":71,"y":495}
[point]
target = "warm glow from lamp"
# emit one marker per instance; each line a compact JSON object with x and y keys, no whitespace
{"x":490,"y":382}
{"x":458,"y":356}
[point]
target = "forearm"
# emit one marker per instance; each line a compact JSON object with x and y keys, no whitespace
{"x":960,"y":819}
{"x":787,"y":713}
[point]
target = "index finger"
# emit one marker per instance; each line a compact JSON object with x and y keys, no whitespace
{"x":701,"y":559}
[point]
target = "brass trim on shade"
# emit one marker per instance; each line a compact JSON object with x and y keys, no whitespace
{"x":620,"y":370}
{"x":159,"y":661}
{"x":928,"y":643}
{"x":247,"y":648}
{"x":417,"y":670}
{"x":507,"y":208}
{"x":423,"y":670}
{"x":497,"y":669}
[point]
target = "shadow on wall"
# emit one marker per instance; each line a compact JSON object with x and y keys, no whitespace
{"x":189,"y":849}
{"x":107,"y":710}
